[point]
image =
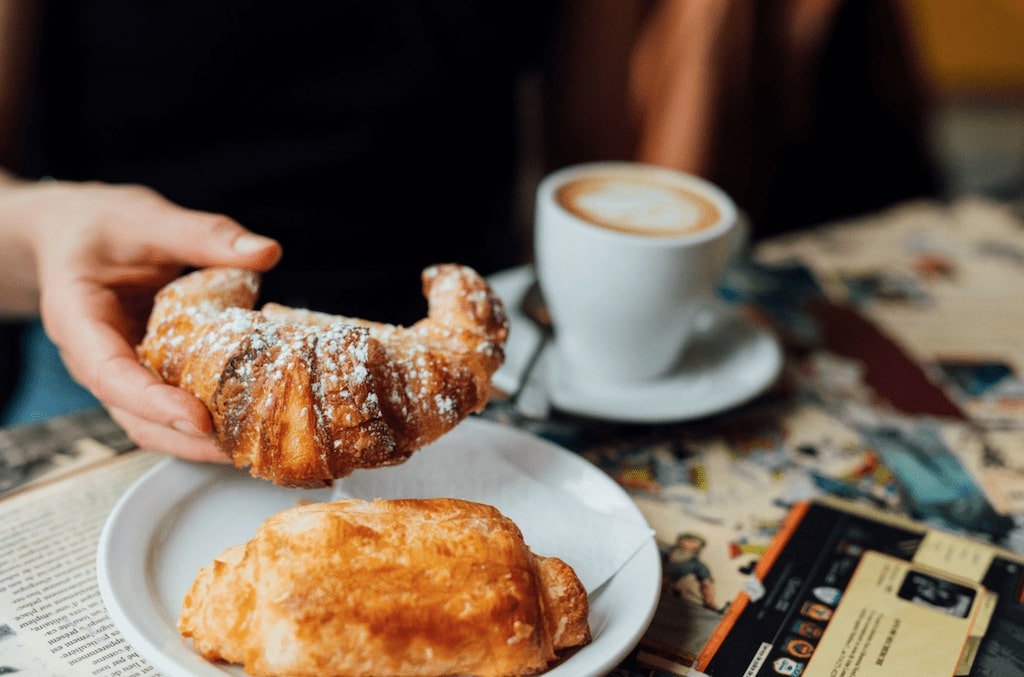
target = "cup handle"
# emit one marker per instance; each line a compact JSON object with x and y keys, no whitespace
{"x":740,"y":236}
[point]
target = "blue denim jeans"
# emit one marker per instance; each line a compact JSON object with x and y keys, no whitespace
{"x":45,"y":388}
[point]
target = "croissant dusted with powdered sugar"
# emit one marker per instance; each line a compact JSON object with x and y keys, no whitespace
{"x":302,"y":398}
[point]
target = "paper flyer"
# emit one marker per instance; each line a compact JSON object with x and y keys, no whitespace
{"x":848,"y":592}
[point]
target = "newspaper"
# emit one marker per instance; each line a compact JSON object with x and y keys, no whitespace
{"x":942,"y":281}
{"x":915,"y":267}
{"x":52,"y":618}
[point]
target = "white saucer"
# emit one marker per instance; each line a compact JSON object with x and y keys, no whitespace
{"x":729,"y":362}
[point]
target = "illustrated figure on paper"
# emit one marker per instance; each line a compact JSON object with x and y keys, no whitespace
{"x":689,"y":577}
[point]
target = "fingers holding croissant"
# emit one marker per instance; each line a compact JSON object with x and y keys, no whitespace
{"x":302,"y":397}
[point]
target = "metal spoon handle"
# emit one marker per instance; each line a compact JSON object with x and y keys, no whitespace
{"x":531,"y":396}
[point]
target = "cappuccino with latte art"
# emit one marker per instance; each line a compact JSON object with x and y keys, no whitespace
{"x":628,"y":257}
{"x":638,"y":204}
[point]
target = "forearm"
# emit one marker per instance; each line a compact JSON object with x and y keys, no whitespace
{"x":19,"y":287}
{"x":691,"y":57}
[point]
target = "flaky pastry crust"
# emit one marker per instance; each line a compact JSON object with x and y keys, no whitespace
{"x":417,"y":587}
{"x":302,"y":398}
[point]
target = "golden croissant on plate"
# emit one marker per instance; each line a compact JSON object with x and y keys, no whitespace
{"x":303,"y":398}
{"x":418,"y":587}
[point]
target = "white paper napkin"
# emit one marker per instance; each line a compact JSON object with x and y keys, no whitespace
{"x":565,"y":507}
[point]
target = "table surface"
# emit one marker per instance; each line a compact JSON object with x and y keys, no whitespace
{"x":902,"y":388}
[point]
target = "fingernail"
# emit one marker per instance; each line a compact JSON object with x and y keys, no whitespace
{"x":188,"y":429}
{"x":250,"y":244}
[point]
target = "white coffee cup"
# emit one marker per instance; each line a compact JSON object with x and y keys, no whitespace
{"x":629,"y":257}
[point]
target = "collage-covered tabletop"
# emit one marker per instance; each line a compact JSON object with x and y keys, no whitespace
{"x":902,"y":388}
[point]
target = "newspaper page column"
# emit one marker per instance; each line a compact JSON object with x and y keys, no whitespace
{"x":49,"y":594}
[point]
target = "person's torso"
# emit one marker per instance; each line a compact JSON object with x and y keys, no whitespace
{"x":370,"y":138}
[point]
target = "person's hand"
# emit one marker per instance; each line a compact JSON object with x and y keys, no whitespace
{"x":101,"y":253}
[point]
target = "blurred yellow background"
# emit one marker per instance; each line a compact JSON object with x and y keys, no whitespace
{"x":969,"y":47}
{"x":971,"y":53}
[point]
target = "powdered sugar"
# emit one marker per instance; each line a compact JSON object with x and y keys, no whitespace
{"x":365,"y":390}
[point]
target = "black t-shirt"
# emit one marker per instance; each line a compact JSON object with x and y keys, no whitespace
{"x":370,"y":138}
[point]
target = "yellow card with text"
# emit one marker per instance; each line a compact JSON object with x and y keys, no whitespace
{"x":898,"y":618}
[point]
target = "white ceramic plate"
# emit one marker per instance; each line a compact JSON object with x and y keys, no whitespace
{"x":180,"y":515}
{"x":729,"y":362}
